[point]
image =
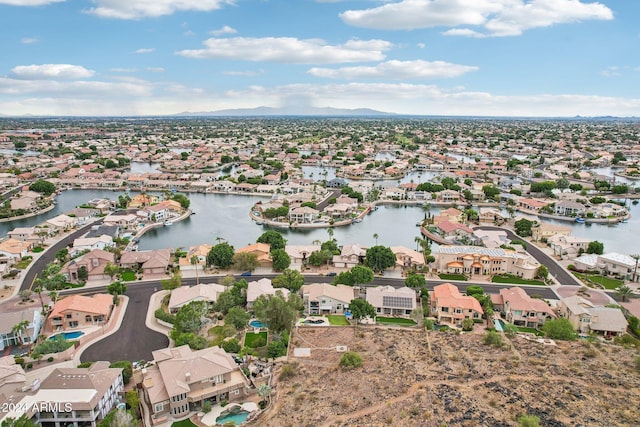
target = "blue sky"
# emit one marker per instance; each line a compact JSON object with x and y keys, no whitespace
{"x":434,"y":57}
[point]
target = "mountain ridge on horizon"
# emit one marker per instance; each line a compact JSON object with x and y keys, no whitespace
{"x":286,"y":111}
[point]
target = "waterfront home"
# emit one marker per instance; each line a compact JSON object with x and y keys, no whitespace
{"x":448,"y":196}
{"x":531,"y":204}
{"x":92,"y":263}
{"x":103,"y":230}
{"x":90,"y":243}
{"x":586,"y":262}
{"x":186,"y":294}
{"x":199,"y":251}
{"x":587,"y":317}
{"x":491,"y":238}
{"x":568,"y":245}
{"x":324,"y":298}
{"x":491,"y":215}
{"x":350,"y":256}
{"x":390,"y":301}
{"x":262,"y":287}
{"x":475,"y":260}
{"x":122,"y":219}
{"x":61,"y":223}
{"x":157,"y":213}
{"x":542,"y":231}
{"x":262,"y":251}
{"x":522,"y":310}
{"x":24,"y":203}
{"x":83,"y":215}
{"x":141,"y":200}
{"x":84,"y":395}
{"x":616,"y":264}
{"x":299,"y":254}
{"x":148,"y":262}
{"x":181,"y":380}
{"x":26,"y":234}
{"x":569,"y":208}
{"x":407,"y":258}
{"x":10,"y":336}
{"x":14,"y":249}
{"x":449,"y":306}
{"x":449,"y":214}
{"x":303,"y":215}
{"x":453,"y":230}
{"x":79,"y":311}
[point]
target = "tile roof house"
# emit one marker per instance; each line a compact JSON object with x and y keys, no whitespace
{"x":10,"y":337}
{"x":201,"y":251}
{"x":476,"y":260}
{"x":182,"y":379}
{"x":586,"y":317}
{"x":262,"y":287}
{"x":448,"y":305}
{"x":77,"y":311}
{"x":90,"y":243}
{"x":324,"y":298}
{"x":350,"y":256}
{"x":261,"y":250}
{"x":390,"y":301}
{"x":186,"y":294}
{"x":522,"y":310}
{"x":149,"y":262}
{"x":407,"y":258}
{"x":300,"y":253}
{"x":15,"y":249}
{"x":12,"y":377}
{"x":93,"y":262}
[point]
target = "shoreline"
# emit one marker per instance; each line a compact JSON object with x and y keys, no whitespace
{"x":29,"y":215}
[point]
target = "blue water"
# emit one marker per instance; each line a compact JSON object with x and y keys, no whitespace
{"x":237,"y":418}
{"x":256,"y":324}
{"x":499,"y":325}
{"x":68,"y":335}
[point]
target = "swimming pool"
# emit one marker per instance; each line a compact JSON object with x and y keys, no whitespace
{"x":235,"y":414}
{"x":256,"y":324}
{"x":68,"y":335}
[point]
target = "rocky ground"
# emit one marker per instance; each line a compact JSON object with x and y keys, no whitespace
{"x":409,"y":378}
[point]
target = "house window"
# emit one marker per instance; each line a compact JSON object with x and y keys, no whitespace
{"x":87,"y":318}
{"x":159,"y":407}
{"x":236,"y":391}
{"x":445,"y":309}
{"x":67,"y":316}
{"x":73,"y":324}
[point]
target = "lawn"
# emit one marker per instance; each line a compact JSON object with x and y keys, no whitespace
{"x":337,"y":319}
{"x":128,"y":276}
{"x":21,"y":265}
{"x":220,"y":332}
{"x":37,"y":249}
{"x":395,"y":321}
{"x":445,"y":276}
{"x":251,"y":339}
{"x":605,"y":282}
{"x":508,"y":278}
{"x":184,"y":423}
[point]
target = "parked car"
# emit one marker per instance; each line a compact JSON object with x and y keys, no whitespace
{"x":333,"y":273}
{"x":246,"y":273}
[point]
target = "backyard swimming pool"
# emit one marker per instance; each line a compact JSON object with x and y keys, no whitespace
{"x":68,"y":335}
{"x":235,"y":414}
{"x":256,"y":324}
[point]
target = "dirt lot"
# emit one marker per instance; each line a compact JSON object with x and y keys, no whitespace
{"x":455,"y":380}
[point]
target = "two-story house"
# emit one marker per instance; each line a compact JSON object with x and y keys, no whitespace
{"x":522,"y":310}
{"x":78,"y":311}
{"x":324,"y":298}
{"x":448,"y":305}
{"x":390,"y":301}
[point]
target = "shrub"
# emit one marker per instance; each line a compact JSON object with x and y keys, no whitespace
{"x":259,"y":342}
{"x":559,"y":329}
{"x":127,"y":369}
{"x":55,"y":345}
{"x":85,"y":364}
{"x":19,"y":361}
{"x":429,"y":324}
{"x":493,"y":338}
{"x":350,"y":359}
{"x":528,"y":421}
{"x":637,"y":362}
{"x":160,"y":314}
{"x":206,"y":406}
{"x":288,"y":371}
{"x":30,"y":365}
{"x":49,"y":359}
{"x":467,"y":325}
{"x":231,"y":346}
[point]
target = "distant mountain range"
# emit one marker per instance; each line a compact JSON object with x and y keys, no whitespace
{"x":287,"y":111}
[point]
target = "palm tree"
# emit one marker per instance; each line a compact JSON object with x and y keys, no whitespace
{"x":426,"y":208}
{"x":635,"y":269}
{"x":19,"y":330}
{"x":623,"y":292}
{"x":330,"y":233}
{"x":194,"y":260}
{"x":38,"y":290}
{"x":375,"y":236}
{"x":418,"y":241}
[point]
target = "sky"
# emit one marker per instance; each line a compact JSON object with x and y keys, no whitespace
{"x":427,"y":57}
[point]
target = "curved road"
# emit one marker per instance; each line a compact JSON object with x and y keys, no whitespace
{"x":555,"y":269}
{"x":134,"y":341}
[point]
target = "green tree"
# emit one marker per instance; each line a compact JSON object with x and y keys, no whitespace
{"x":343,"y":278}
{"x":380,"y":258}
{"x":361,"y":274}
{"x":133,"y":401}
{"x":559,"y":329}
{"x":111,"y":270}
{"x":235,"y":296}
{"x":62,"y":255}
{"x":23,"y":421}
{"x":542,"y":273}
{"x":279,"y":313}
{"x":492,"y":338}
{"x":595,"y":247}
{"x":182,"y":199}
{"x":51,"y":278}
{"x":523,"y":227}
{"x":273,"y":238}
{"x":116,"y":289}
{"x":331,"y":245}
{"x":361,"y":308}
{"x":264,"y":391}
{"x":467,"y":325}
{"x":290,"y":279}
{"x":624,"y":292}
{"x":415,"y":281}
{"x":318,"y":258}
{"x":220,"y":255}
{"x":190,"y":317}
{"x":350,"y":360}
{"x":44,"y":187}
{"x":172,"y":283}
{"x":127,"y":369}
{"x":528,"y":421}
{"x":491,"y":192}
{"x":245,"y":261}
{"x":195,"y":262}
{"x":238,"y":317}
{"x":280,"y":259}
{"x":474,"y":290}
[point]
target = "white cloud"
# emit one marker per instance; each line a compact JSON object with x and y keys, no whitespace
{"x":29,"y":40}
{"x":396,"y":70}
{"x":611,"y":72}
{"x":29,"y":2}
{"x":155,"y":69}
{"x":145,"y":50}
{"x":124,"y":70}
{"x":497,"y":17}
{"x":289,"y":50}
{"x":51,"y":71}
{"x":137,"y":9}
{"x":222,"y":31}
{"x":77,"y":88}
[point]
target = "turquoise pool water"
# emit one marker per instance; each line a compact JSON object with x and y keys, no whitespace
{"x":68,"y":335}
{"x":256,"y":324}
{"x":236,"y":418}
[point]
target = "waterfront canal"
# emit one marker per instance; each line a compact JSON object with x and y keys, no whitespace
{"x":219,"y":216}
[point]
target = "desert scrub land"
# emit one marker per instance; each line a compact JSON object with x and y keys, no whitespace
{"x":455,"y":380}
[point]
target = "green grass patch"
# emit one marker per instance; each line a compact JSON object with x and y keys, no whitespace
{"x":38,"y":249}
{"x":395,"y":321}
{"x":22,"y":264}
{"x":217,"y":334}
{"x":445,"y":276}
{"x":509,"y":278}
{"x":73,"y":285}
{"x":128,"y":276}
{"x":529,"y":331}
{"x":184,"y":423}
{"x":605,"y":282}
{"x":253,"y":340}
{"x":337,"y":319}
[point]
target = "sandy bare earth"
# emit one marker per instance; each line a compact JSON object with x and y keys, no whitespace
{"x":453,"y":381}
